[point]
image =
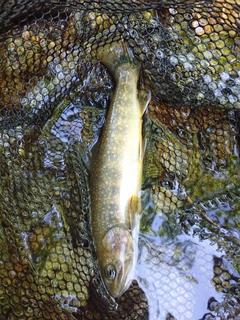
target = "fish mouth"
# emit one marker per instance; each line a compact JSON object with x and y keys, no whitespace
{"x":123,"y":290}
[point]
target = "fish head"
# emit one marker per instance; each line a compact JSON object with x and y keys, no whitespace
{"x":118,"y":260}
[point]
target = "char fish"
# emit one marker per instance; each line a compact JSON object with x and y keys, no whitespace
{"x":116,"y":173}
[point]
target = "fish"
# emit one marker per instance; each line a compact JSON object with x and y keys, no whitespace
{"x":116,"y":173}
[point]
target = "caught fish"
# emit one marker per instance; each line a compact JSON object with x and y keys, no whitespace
{"x":116,"y":173}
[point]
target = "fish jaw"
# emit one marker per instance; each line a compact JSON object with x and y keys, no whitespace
{"x":117,"y":259}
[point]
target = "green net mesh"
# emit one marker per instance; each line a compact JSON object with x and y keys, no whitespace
{"x":54,"y":99}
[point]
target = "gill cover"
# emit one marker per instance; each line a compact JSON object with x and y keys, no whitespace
{"x":118,"y":263}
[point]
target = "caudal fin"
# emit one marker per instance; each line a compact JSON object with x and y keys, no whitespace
{"x":114,"y":55}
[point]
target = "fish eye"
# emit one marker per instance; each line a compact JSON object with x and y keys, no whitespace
{"x":110,"y":272}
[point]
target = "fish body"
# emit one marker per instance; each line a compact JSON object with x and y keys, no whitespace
{"x":116,"y":174}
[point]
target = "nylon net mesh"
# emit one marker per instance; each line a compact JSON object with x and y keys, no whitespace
{"x":54,"y":99}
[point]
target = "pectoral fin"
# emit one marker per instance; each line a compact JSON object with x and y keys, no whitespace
{"x":134,"y":210}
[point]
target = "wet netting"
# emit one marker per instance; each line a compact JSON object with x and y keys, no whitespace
{"x":55,"y":95}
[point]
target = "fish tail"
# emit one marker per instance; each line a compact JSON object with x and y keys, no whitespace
{"x":114,"y":55}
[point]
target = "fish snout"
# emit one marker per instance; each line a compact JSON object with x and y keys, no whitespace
{"x":118,"y":277}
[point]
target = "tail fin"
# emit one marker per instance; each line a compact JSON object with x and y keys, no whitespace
{"x":114,"y":55}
